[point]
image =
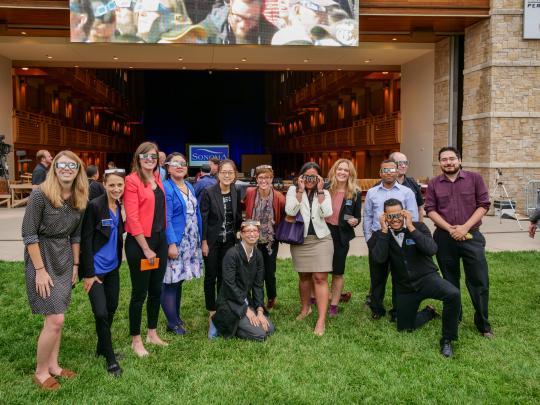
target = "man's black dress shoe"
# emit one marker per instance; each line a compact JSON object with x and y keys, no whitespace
{"x":446,"y":348}
{"x":114,"y":370}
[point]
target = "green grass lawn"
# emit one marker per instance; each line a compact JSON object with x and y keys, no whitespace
{"x":357,"y":361}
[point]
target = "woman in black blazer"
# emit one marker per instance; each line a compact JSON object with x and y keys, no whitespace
{"x":347,"y":209}
{"x":101,"y":256}
{"x":221,"y":218}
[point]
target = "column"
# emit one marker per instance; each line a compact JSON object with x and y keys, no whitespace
{"x":6,"y":109}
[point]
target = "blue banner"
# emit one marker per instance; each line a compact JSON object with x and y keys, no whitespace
{"x":200,"y":154}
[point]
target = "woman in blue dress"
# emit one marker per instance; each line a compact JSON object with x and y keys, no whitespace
{"x":183,"y":231}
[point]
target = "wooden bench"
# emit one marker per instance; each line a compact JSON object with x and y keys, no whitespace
{"x":5,"y":194}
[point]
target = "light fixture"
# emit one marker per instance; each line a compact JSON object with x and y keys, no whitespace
{"x":306,"y":60}
{"x":339,"y":69}
{"x":24,"y":68}
{"x":49,"y":57}
{"x":115,"y":57}
{"x":131,"y":67}
{"x":244,"y":59}
{"x":184,"y":68}
{"x":394,"y":39}
{"x":384,"y":73}
{"x":367,"y":61}
{"x":76,"y":66}
{"x":23,"y":32}
{"x":288,"y":68}
{"x":236,"y":68}
{"x":180,"y":59}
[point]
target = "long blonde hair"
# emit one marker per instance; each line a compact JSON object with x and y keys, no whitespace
{"x":144,"y":147}
{"x":79,"y":189}
{"x":352,"y":187}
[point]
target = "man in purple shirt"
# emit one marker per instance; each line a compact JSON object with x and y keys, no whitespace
{"x":456,"y":201}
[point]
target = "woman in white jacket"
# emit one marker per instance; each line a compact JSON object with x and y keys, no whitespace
{"x":313,"y":259}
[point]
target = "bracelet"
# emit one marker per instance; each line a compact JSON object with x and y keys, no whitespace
{"x":76,"y":264}
{"x":39,"y":268}
{"x":320,"y":192}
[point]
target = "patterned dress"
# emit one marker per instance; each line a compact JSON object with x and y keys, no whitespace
{"x":55,"y":229}
{"x":189,"y":263}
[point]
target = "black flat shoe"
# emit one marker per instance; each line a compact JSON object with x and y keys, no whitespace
{"x":446,"y":348}
{"x":114,"y":370}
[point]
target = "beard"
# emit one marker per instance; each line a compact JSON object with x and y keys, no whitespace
{"x":451,"y":170}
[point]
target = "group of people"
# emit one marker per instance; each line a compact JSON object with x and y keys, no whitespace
{"x":174,"y":230}
{"x":263,"y":22}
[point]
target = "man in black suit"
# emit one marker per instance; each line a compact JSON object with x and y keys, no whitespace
{"x":409,"y":246}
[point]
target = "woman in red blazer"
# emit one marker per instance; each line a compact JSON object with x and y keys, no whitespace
{"x":144,"y":201}
{"x":266,"y":205}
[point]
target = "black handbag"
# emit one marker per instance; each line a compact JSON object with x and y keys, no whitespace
{"x":291,"y":230}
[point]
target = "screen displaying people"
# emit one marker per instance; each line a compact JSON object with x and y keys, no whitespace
{"x":260,"y":22}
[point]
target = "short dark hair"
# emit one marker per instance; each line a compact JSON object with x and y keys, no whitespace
{"x":310,"y":165}
{"x":214,"y":160}
{"x":449,"y":149}
{"x":389,"y":161}
{"x":391,"y":202}
{"x":168,"y":159}
{"x":205,"y":168}
{"x":91,"y":170}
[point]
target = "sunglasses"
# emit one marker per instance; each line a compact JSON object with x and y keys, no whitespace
{"x":67,"y":165}
{"x":176,"y":165}
{"x":392,"y":217}
{"x":114,"y":171}
{"x":148,"y":156}
{"x":402,"y":163}
{"x":387,"y":170}
{"x":311,"y":179}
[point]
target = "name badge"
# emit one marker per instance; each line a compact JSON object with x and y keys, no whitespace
{"x":410,"y":242}
{"x":348,"y":202}
{"x":106,"y":222}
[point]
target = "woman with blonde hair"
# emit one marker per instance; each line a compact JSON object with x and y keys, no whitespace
{"x":144,"y":202}
{"x":346,"y":215}
{"x":51,"y":232}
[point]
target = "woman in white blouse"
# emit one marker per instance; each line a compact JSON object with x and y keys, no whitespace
{"x":313,"y":259}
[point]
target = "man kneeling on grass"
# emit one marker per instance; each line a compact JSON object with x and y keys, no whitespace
{"x":240,"y":310}
{"x":410,"y":247}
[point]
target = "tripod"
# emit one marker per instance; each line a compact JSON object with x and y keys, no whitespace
{"x":503,"y":197}
{"x":4,"y":167}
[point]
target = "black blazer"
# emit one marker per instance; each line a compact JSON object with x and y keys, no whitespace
{"x":213,"y":213}
{"x":94,"y":236}
{"x":242,"y":285}
{"x":349,"y":207}
{"x":410,"y":262}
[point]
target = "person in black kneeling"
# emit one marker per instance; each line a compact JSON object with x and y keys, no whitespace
{"x":410,"y":247}
{"x":240,"y":303}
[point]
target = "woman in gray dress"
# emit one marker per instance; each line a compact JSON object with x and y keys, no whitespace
{"x":51,"y":234}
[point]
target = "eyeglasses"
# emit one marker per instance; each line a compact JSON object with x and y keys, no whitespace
{"x":387,"y":170}
{"x":392,"y":217}
{"x":402,"y":163}
{"x":176,"y":165}
{"x":310,"y":179}
{"x":450,"y":159}
{"x":231,"y":173}
{"x":250,"y":222}
{"x":67,"y":165}
{"x":238,"y":18}
{"x":112,"y":171}
{"x":313,"y":6}
{"x":264,"y":178}
{"x":148,"y":156}
{"x":261,"y":167}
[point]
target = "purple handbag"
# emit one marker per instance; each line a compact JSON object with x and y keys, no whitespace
{"x":291,"y":230}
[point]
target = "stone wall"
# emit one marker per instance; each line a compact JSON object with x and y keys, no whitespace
{"x":501,"y":105}
{"x":441,"y":83}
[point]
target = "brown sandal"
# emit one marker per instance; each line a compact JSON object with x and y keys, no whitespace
{"x":50,"y":384}
{"x":65,"y":373}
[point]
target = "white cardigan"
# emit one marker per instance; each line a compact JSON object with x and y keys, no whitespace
{"x":319,"y":212}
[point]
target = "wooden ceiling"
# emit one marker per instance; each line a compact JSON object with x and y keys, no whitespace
{"x":380,"y":20}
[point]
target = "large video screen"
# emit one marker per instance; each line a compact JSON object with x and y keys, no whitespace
{"x":231,"y":22}
{"x":198,"y":155}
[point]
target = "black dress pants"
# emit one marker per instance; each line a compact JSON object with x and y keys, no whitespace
{"x":340,"y":251}
{"x":213,"y":272}
{"x":378,"y":273}
{"x":104,"y":300}
{"x":269,"y":268}
{"x":145,"y":283}
{"x":472,"y":252}
{"x":435,"y":287}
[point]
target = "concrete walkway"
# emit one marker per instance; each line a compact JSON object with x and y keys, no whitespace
{"x":499,"y":236}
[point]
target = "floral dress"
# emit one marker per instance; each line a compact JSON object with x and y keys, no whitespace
{"x":189,"y":263}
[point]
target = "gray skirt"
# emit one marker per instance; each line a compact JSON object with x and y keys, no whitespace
{"x":314,"y":256}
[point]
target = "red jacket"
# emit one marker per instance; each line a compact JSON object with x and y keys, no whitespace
{"x":278,"y":204}
{"x":139,"y":203}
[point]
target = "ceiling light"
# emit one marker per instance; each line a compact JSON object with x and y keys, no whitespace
{"x":76,"y":66}
{"x":340,"y":69}
{"x":288,"y":68}
{"x":49,"y":57}
{"x":115,"y":57}
{"x":306,"y":60}
{"x":23,"y":32}
{"x":394,"y":39}
{"x":384,"y":73}
{"x":180,"y":59}
{"x":367,"y":61}
{"x":24,"y":68}
{"x":184,"y":68}
{"x":131,"y":67}
{"x":244,"y":59}
{"x":236,"y":68}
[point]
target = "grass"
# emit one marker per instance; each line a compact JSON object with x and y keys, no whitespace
{"x":357,"y":361}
